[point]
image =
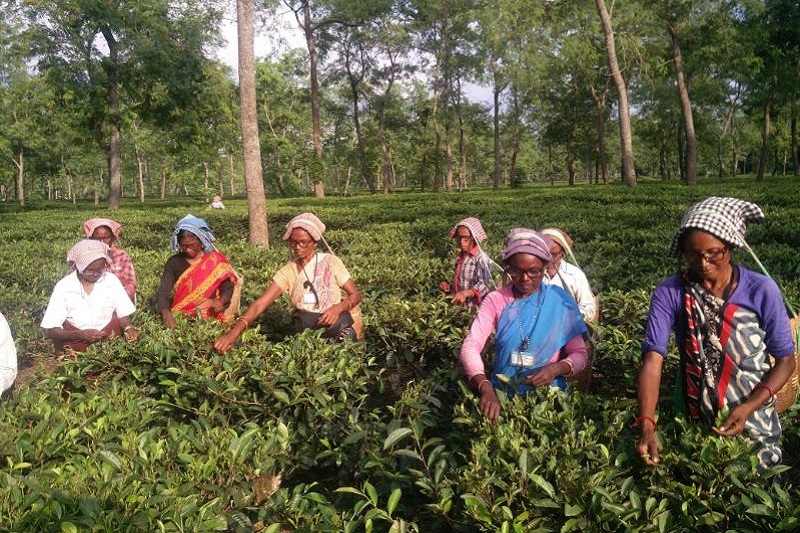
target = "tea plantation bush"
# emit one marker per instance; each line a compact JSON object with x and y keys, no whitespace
{"x":288,"y":433}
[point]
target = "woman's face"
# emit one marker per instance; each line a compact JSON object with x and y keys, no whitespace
{"x":301,"y":244}
{"x":190,"y":246}
{"x":557,"y":252}
{"x":525,"y":271}
{"x":104,"y":234}
{"x":706,"y":255}
{"x":464,"y":239}
{"x":94,"y":271}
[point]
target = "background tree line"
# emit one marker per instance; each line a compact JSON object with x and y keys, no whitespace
{"x":108,"y":99}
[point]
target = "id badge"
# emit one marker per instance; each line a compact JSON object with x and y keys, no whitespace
{"x":522,"y":359}
{"x":309,"y":298}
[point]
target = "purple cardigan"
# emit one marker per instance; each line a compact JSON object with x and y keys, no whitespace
{"x":754,"y":291}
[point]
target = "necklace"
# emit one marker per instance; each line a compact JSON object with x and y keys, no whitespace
{"x":525,"y":342}
{"x":309,"y":283}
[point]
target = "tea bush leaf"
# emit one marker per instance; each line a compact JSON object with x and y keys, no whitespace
{"x":396,"y":436}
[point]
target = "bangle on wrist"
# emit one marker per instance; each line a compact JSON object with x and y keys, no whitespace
{"x":246,"y":322}
{"x":765,"y":387}
{"x":480,"y":385}
{"x":129,"y":326}
{"x":639,"y":419}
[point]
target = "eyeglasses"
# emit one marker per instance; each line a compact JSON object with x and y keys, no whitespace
{"x":95,"y":271}
{"x":299,"y":244}
{"x":710,"y":256}
{"x":517,"y":273}
{"x":196,"y":245}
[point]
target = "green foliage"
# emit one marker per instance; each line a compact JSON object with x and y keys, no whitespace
{"x":289,"y":433}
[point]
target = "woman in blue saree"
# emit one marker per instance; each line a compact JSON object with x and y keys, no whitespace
{"x":538,"y":328}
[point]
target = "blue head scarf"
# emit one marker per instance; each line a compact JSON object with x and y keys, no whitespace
{"x":197,"y":227}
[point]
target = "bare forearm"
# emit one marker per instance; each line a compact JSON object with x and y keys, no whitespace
{"x":649,"y":383}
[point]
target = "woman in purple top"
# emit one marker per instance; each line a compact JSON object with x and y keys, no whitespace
{"x":727,"y":320}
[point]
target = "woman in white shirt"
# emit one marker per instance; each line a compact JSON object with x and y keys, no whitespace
{"x":569,"y":276}
{"x":89,"y":304}
{"x":8,"y":356}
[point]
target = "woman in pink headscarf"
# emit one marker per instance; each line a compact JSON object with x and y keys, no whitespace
{"x":107,"y":231}
{"x":313,"y":281}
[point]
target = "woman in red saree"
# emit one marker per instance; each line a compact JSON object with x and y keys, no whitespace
{"x":198,"y":280}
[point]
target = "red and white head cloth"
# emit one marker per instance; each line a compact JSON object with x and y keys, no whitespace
{"x":92,"y":224}
{"x":86,"y":252}
{"x":724,"y":218}
{"x":474,"y":227}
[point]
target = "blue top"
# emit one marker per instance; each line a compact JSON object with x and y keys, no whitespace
{"x":758,"y":293}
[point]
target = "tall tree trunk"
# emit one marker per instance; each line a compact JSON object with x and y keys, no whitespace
{"x":20,"y":164}
{"x":462,"y":154}
{"x":625,"y":132}
{"x":728,"y":126}
{"x":497,"y":88}
{"x":140,"y":177}
{"x":163,"y":180}
{"x":600,"y":124}
{"x":765,"y":132}
{"x":232,"y":174}
{"x":205,"y":176}
{"x":248,"y":119}
{"x":115,"y":111}
{"x":690,"y":155}
{"x":366,"y":175}
{"x":437,"y":168}
{"x":513,"y":178}
{"x":793,"y":129}
{"x":308,"y":31}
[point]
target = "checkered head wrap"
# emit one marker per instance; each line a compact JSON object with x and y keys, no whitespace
{"x":474,"y":227}
{"x":724,"y":218}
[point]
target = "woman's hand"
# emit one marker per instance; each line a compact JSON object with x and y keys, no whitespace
{"x":90,"y":335}
{"x":462,"y":296}
{"x":215,"y":304}
{"x":489,"y":404}
{"x":131,"y":334}
{"x":169,"y":319}
{"x":444,"y":287}
{"x":331,"y":315}
{"x":648,"y":444}
{"x":226,"y":341}
{"x":735,"y":422}
{"x":545,"y":375}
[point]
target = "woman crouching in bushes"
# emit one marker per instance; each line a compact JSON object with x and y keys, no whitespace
{"x":89,"y":304}
{"x":313,"y":280}
{"x":727,"y":320}
{"x":538,"y":328}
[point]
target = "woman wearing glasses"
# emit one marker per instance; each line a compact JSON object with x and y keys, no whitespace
{"x":313,"y":281}
{"x":88,"y":305}
{"x":538,"y":328}
{"x":198,"y":279}
{"x":726,"y":321}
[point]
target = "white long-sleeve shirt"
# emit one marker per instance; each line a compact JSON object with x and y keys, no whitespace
{"x":8,"y":356}
{"x":572,"y":279}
